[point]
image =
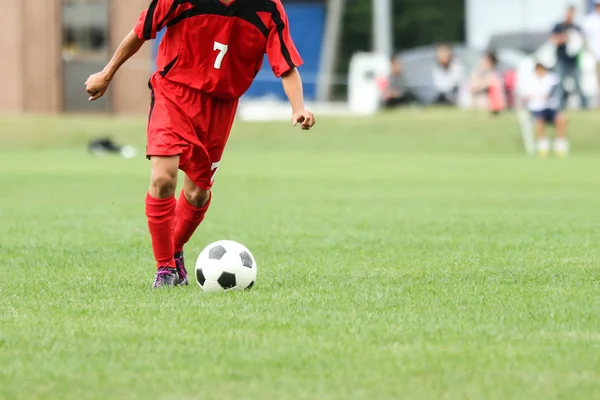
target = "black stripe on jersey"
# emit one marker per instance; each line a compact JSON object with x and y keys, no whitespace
{"x":244,"y":10}
{"x":152,"y":104}
{"x":149,"y":20}
{"x":168,"y":67}
{"x":276,"y":16}
{"x":152,"y":101}
{"x":162,"y":23}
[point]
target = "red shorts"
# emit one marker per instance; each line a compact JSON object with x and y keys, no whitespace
{"x":189,"y":123}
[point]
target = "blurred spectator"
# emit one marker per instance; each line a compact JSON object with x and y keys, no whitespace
{"x":510,"y":86}
{"x":541,"y":96}
{"x":567,"y":37}
{"x":487,"y":87}
{"x":447,"y":76}
{"x":395,"y":91}
{"x":591,"y":26}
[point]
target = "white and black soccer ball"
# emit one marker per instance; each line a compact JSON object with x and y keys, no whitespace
{"x":226,"y":265}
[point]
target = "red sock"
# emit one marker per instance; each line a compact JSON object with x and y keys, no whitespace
{"x":161,"y":216}
{"x":187,"y":219}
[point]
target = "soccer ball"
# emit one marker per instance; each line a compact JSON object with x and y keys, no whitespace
{"x":226,"y":265}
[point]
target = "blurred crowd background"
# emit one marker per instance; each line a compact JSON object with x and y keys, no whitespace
{"x":361,"y":55}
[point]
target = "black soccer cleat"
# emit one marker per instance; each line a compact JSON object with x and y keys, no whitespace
{"x":166,"y":276}
{"x":181,"y":271}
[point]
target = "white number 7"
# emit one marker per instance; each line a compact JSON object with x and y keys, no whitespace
{"x":214,"y":167}
{"x":222,"y":51}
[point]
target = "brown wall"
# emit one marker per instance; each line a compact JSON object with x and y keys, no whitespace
{"x":30,"y":48}
{"x":11,"y":66}
{"x":42,"y":58}
{"x":32,"y":66}
{"x":129,"y":91}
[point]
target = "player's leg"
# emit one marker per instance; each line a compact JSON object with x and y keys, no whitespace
{"x":583,"y":100}
{"x":165,"y":148}
{"x":191,"y":209}
{"x":201,"y":167}
{"x":561,"y":143}
{"x":561,"y":93}
{"x":543,"y":144}
{"x":160,"y":211}
{"x":194,"y":199}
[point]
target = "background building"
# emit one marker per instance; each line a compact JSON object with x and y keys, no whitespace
{"x":50,"y":47}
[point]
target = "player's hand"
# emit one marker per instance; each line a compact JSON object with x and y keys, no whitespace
{"x":96,"y":85}
{"x":305,"y":118}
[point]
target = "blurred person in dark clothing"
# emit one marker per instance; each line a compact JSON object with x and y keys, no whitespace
{"x":591,"y":26}
{"x":396,"y":93}
{"x":568,"y":38}
{"x":448,"y":74}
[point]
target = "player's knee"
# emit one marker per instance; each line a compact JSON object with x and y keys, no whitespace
{"x":198,"y":197}
{"x":163,"y":184}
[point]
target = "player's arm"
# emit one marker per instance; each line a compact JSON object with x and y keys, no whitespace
{"x":97,"y":84}
{"x":292,"y":84}
{"x":284,"y":60}
{"x":151,"y":21}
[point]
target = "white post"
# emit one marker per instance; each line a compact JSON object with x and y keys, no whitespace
{"x":331,"y":40}
{"x":382,"y":27}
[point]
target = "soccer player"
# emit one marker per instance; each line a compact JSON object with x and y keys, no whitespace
{"x":541,"y":96}
{"x":207,"y":60}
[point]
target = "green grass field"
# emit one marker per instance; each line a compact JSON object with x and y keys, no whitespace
{"x":418,"y":255}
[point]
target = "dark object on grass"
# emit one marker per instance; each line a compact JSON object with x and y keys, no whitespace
{"x":101,"y":147}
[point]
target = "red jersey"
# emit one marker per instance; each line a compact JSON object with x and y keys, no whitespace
{"x":218,"y":48}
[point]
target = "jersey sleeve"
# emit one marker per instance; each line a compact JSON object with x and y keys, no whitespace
{"x":155,"y":18}
{"x":281,"y":51}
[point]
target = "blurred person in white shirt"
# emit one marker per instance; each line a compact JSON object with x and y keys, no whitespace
{"x":448,"y":75}
{"x":542,"y":100}
{"x":591,"y":27}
